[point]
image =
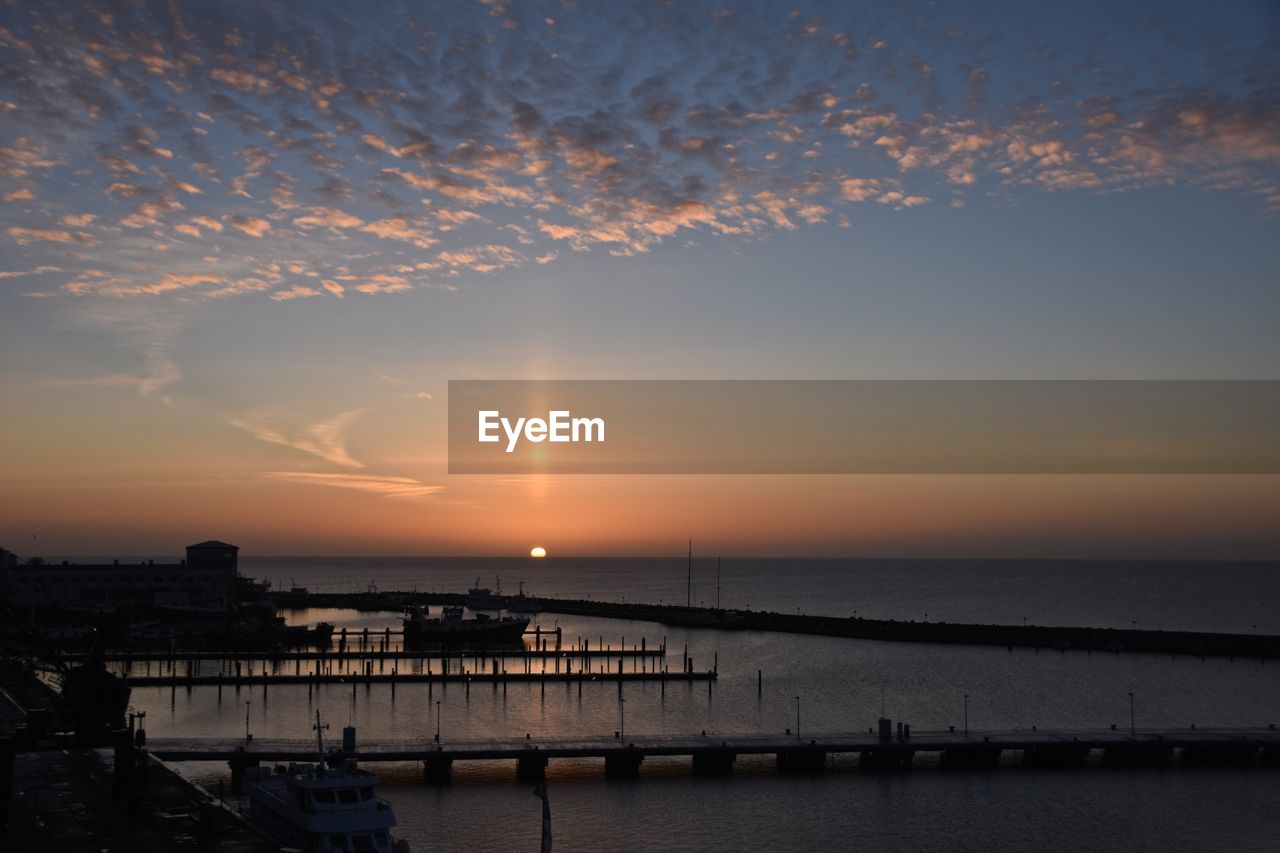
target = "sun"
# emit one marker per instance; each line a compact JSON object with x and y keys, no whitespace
{"x":538,"y":551}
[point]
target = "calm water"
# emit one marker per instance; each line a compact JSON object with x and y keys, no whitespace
{"x":1204,"y":596}
{"x":842,"y":684}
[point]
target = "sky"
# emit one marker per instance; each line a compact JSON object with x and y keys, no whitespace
{"x":244,"y":247}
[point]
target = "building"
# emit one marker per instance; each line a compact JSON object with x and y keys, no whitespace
{"x":203,"y":582}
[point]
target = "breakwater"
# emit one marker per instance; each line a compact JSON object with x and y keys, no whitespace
{"x":1050,"y":637}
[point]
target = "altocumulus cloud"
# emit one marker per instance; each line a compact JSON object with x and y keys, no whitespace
{"x":425,"y":144}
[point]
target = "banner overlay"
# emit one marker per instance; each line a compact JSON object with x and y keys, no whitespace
{"x":864,"y":427}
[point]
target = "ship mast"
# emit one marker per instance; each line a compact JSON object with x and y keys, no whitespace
{"x":320,"y":743}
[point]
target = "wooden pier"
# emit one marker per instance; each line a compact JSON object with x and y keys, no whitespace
{"x":354,"y":678}
{"x":182,"y":657}
{"x":715,"y":753}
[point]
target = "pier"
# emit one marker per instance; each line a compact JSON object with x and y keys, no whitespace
{"x":353,"y":678}
{"x":715,"y":753}
{"x":375,"y":654}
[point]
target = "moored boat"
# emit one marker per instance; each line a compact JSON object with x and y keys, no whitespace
{"x":325,"y":807}
{"x":483,"y":598}
{"x":452,"y":629}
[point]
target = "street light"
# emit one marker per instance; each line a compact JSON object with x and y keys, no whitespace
{"x":437,"y":721}
{"x":797,"y":718}
{"x":966,"y":715}
{"x":1131,"y":713}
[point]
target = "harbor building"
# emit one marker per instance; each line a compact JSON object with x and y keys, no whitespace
{"x":203,"y":582}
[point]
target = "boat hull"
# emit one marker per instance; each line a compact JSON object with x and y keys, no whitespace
{"x":504,"y":633}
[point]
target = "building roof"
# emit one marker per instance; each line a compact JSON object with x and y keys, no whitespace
{"x":213,"y":544}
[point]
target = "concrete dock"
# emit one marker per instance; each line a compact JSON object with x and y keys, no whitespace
{"x":715,"y":753}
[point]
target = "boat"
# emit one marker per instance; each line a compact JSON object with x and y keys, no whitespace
{"x":483,"y":598}
{"x":452,"y":629}
{"x":324,"y":807}
{"x":258,"y":633}
{"x":522,"y":603}
{"x":295,"y":597}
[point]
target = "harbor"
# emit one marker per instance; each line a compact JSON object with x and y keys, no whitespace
{"x":591,"y":692}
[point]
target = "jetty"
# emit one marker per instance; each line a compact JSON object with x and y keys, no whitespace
{"x":1052,"y":637}
{"x":1062,"y":638}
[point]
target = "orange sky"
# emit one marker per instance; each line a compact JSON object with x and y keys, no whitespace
{"x":242,"y":254}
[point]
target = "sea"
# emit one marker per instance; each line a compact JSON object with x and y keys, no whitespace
{"x":772,"y":682}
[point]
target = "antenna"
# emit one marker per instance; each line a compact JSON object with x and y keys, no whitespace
{"x":320,"y":729}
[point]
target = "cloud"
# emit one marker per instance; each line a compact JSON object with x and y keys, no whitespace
{"x":327,"y":217}
{"x":207,"y":222}
{"x":23,"y":236}
{"x":326,"y":439}
{"x":37,"y":271}
{"x":149,"y":213}
{"x":298,"y":291}
{"x":401,"y":229}
{"x":18,"y":159}
{"x":392,"y":487}
{"x":376,"y":149}
{"x":384,"y":284}
{"x":252,"y":226}
{"x":114,"y":380}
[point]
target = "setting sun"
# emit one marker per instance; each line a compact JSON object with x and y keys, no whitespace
{"x":538,"y":551}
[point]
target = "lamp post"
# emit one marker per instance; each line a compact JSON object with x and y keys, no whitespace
{"x":966,"y":715}
{"x":797,"y":718}
{"x":1130,"y":713}
{"x":437,"y":721}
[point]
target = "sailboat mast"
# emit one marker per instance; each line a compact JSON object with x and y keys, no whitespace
{"x":717,"y":583}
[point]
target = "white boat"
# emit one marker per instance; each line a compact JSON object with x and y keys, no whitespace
{"x":325,"y":807}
